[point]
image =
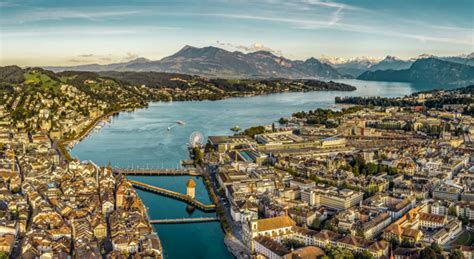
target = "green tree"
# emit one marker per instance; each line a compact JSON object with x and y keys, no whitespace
{"x":316,"y":224}
{"x":292,"y":243}
{"x":427,"y":253}
{"x":283,"y":121}
{"x":209,"y":147}
{"x":456,"y":254}
{"x":198,"y":156}
{"x":355,"y":170}
{"x":328,"y":225}
{"x":365,"y":255}
{"x":452,"y":211}
{"x":436,"y":247}
{"x":254,"y":131}
{"x":372,"y":168}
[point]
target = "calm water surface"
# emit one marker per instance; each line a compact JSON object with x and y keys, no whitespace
{"x":141,"y":139}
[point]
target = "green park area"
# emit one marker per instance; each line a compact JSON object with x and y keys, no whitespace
{"x":466,"y":238}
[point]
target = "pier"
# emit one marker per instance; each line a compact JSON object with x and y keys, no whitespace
{"x":174,"y":195}
{"x":155,"y":172}
{"x":183,"y":220}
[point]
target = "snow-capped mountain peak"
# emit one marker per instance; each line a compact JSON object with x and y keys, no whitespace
{"x":341,"y":61}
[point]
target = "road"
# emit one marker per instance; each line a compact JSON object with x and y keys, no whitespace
{"x":234,"y":242}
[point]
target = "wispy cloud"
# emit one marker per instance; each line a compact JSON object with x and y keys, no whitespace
{"x":459,"y":38}
{"x":8,"y":3}
{"x":248,"y":48}
{"x":314,"y":24}
{"x":56,"y":14}
{"x":326,"y":14}
{"x":100,"y":58}
{"x":131,"y":55}
{"x":85,"y":31}
{"x":331,"y":4}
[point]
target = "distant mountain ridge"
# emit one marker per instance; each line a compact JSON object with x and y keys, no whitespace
{"x":357,"y":66}
{"x":215,"y":62}
{"x":427,"y":70}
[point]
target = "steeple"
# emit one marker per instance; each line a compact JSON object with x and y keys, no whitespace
{"x":191,"y":188}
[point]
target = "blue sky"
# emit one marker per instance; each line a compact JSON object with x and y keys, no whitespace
{"x":52,"y":32}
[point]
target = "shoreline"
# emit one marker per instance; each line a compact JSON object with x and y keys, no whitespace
{"x":250,"y":95}
{"x":62,"y":143}
{"x":97,"y":120}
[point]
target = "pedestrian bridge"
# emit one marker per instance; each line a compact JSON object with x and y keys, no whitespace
{"x":183,"y":220}
{"x":174,"y":195}
{"x":151,"y":172}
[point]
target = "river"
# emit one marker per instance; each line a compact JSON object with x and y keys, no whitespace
{"x":141,"y":138}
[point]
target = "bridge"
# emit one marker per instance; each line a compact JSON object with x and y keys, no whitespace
{"x":151,"y":172}
{"x":183,"y":220}
{"x":174,"y":195}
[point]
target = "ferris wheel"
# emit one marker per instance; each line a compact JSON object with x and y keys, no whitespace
{"x":196,"y":139}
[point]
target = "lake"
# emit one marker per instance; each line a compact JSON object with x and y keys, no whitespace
{"x":142,"y":139}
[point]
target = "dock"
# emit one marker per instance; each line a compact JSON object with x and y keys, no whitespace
{"x":155,"y":172}
{"x":183,"y":220}
{"x":174,"y":195}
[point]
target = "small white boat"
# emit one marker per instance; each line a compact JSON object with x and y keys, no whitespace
{"x":181,"y":122}
{"x":169,"y":128}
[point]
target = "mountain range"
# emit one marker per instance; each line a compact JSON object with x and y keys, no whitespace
{"x":357,"y":66}
{"x":426,"y":71}
{"x":215,"y":62}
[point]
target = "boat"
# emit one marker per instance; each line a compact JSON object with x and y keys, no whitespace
{"x":180,"y":122}
{"x":169,"y":128}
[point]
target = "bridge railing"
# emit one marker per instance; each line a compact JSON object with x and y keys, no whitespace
{"x":183,"y":220}
{"x":173,"y":194}
{"x":144,"y":171}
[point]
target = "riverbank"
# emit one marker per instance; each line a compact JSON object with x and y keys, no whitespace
{"x":233,"y":244}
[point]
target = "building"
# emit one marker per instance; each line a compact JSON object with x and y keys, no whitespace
{"x":270,"y":227}
{"x":467,"y":251}
{"x":7,"y":243}
{"x":332,"y":197}
{"x":447,"y":192}
{"x":226,"y":143}
{"x":418,"y":226}
{"x":191,"y":188}
{"x":269,"y":248}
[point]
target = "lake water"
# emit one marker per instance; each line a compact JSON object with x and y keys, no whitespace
{"x":142,"y":139}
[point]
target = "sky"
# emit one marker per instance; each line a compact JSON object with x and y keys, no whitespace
{"x":53,"y":32}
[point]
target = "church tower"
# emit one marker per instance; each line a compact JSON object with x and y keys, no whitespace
{"x":191,"y":188}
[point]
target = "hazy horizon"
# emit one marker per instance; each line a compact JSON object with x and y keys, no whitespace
{"x":68,"y":33}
